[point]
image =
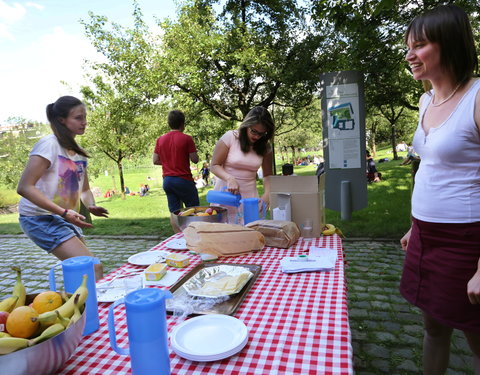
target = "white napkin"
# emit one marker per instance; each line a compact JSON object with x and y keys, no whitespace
{"x":318,"y":259}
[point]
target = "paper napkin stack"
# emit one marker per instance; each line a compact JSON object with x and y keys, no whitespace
{"x":318,"y":259}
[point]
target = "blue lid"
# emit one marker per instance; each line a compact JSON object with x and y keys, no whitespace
{"x":79,"y":261}
{"x":144,"y":299}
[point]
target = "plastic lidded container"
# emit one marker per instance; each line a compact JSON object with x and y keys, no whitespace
{"x":155,"y":271}
{"x":177,"y":260}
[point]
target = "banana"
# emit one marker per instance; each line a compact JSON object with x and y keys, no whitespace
{"x":339,"y":232}
{"x":4,"y":334}
{"x":188,"y":212}
{"x":8,"y":304}
{"x":67,"y":309}
{"x":76,"y":312}
{"x":329,"y":230}
{"x":47,"y":334}
{"x":19,"y":288}
{"x":10,"y":344}
{"x":62,"y":320}
{"x":47,"y":318}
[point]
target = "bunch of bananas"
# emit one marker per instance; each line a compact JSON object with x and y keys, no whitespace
{"x":18,"y":296}
{"x":331,"y":229}
{"x":49,"y":323}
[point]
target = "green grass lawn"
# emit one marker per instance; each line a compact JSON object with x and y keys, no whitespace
{"x":387,"y":214}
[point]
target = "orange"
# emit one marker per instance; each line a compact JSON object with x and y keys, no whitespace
{"x":47,"y":301}
{"x":20,"y":324}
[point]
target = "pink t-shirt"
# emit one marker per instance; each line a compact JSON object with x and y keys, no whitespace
{"x":242,"y":166}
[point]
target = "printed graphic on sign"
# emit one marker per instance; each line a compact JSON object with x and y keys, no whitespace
{"x":342,"y":116}
{"x":343,"y":126}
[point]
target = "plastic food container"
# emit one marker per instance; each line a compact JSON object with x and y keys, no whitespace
{"x":177,"y":260}
{"x":155,"y":271}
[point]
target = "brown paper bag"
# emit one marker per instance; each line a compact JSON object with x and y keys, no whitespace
{"x":278,"y":233}
{"x":222,"y":239}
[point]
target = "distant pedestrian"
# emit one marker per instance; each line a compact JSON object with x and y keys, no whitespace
{"x":174,"y":151}
{"x":55,"y":181}
{"x":205,"y":171}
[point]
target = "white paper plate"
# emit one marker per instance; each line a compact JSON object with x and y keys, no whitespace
{"x":148,"y":257}
{"x":110,"y":291}
{"x":177,"y":244}
{"x":209,"y":337}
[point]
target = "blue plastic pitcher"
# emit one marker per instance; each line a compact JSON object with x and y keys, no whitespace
{"x":147,"y":331}
{"x":250,"y":209}
{"x":223,"y":198}
{"x":73,"y":270}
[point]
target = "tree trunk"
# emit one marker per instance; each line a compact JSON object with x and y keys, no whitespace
{"x":122,"y":181}
{"x":394,"y":141}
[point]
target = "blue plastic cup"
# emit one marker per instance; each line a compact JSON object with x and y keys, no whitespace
{"x":73,"y":270}
{"x":223,"y":198}
{"x":251,"y":210}
{"x":147,"y":331}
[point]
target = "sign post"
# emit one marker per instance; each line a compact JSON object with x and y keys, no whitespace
{"x":343,"y":120}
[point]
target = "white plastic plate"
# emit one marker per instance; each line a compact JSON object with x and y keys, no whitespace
{"x":148,"y":257}
{"x":177,"y":244}
{"x":209,"y":337}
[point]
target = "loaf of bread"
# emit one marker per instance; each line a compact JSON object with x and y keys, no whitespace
{"x":277,"y":233}
{"x":222,"y":239}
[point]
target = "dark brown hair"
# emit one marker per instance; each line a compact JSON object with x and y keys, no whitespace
{"x":176,"y":119}
{"x":257,"y":115}
{"x":450,"y":28}
{"x":58,"y":111}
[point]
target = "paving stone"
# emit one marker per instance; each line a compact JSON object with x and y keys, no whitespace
{"x":408,"y":365}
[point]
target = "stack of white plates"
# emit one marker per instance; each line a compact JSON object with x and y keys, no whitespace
{"x":209,"y":337}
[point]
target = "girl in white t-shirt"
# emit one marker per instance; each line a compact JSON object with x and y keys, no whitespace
{"x":55,"y":181}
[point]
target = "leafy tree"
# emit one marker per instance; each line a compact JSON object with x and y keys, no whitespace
{"x":250,"y":53}
{"x":372,"y":32}
{"x":122,"y":116}
{"x":15,"y":147}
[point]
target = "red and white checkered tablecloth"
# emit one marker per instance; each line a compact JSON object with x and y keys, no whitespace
{"x":297,"y":323}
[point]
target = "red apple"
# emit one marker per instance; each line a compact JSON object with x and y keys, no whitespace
{"x":3,"y":320}
{"x":209,"y":211}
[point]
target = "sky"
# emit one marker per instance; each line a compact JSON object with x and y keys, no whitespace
{"x":42,"y":43}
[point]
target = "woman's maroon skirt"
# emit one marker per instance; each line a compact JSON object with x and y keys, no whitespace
{"x":440,"y":260}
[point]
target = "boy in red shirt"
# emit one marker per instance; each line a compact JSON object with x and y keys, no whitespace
{"x":174,"y":151}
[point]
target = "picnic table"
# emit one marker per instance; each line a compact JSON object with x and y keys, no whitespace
{"x":297,"y":323}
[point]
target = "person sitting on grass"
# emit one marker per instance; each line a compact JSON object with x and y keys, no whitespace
{"x":372,"y":174}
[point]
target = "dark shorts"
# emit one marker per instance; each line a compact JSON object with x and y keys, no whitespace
{"x":439,"y":262}
{"x":48,"y":231}
{"x":180,"y":190}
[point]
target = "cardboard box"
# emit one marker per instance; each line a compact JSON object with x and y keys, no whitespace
{"x":307,"y":199}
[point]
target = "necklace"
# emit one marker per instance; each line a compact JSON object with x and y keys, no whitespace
{"x":446,"y":99}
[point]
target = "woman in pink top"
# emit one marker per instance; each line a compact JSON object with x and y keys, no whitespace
{"x":441,"y":273}
{"x":240,"y":153}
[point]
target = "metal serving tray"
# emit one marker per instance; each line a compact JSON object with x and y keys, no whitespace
{"x":227,"y":307}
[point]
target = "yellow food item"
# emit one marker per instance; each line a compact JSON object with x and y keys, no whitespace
{"x":177,"y":260}
{"x":188,"y":212}
{"x":202,"y":214}
{"x":47,"y":301}
{"x":20,"y":323}
{"x":155,"y":271}
{"x":224,"y":286}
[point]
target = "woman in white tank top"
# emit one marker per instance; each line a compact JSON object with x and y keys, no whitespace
{"x":441,"y":272}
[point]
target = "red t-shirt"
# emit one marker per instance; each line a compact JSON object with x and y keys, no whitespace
{"x":173,"y":149}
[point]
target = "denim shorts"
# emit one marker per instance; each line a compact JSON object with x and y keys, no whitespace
{"x":48,"y":231}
